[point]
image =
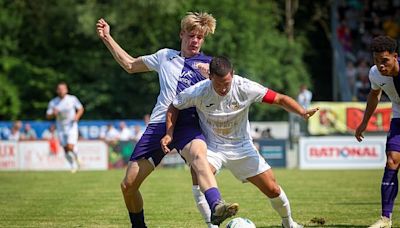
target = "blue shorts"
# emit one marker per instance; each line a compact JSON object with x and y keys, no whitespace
{"x":149,"y":146}
{"x":393,"y":138}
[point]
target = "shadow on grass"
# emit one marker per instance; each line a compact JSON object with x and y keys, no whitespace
{"x":330,"y":226}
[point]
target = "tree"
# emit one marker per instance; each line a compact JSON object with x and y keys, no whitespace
{"x":53,"y":41}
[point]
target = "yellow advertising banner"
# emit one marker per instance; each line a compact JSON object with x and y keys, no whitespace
{"x":344,"y":118}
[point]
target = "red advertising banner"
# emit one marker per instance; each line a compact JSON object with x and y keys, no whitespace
{"x":344,"y":117}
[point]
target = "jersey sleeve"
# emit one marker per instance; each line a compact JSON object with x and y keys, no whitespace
{"x":371,"y":76}
{"x":50,"y":107}
{"x":255,"y":91}
{"x":77,"y":103}
{"x":153,"y":61}
{"x":186,"y":99}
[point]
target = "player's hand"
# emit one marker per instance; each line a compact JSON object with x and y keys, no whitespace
{"x":55,"y":112}
{"x":310,"y":113}
{"x":103,"y":29}
{"x":165,"y":141}
{"x":359,"y":132}
{"x":204,"y":69}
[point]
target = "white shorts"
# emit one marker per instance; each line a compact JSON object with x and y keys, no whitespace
{"x":242,"y":167}
{"x":69,"y":136}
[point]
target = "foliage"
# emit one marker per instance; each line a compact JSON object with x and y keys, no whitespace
{"x":49,"y":41}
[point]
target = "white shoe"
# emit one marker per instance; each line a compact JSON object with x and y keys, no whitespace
{"x":383,"y":222}
{"x":293,"y":225}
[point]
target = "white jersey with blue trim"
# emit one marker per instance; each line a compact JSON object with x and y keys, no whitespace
{"x":390,"y":85}
{"x":223,"y":119}
{"x":175,"y":74}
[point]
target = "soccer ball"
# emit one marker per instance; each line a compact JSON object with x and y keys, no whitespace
{"x":240,"y":223}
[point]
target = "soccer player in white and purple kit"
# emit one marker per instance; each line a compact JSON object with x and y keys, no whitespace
{"x":223,"y":106}
{"x":177,"y":70}
{"x":385,"y":75}
{"x":67,"y":110}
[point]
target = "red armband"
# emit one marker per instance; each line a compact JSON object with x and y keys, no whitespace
{"x":269,"y":97}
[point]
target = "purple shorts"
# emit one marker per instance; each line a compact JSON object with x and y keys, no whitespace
{"x":393,"y":138}
{"x":149,"y":146}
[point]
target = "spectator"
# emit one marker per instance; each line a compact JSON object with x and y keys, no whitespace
{"x":351,"y":74}
{"x":5,"y":133}
{"x":15,"y":131}
{"x":137,"y":133}
{"x":111,"y":135}
{"x":362,"y":88}
{"x":304,"y":97}
{"x":267,"y":134}
{"x":125,"y":133}
{"x":256,"y":133}
{"x":50,"y":133}
{"x":28,"y":133}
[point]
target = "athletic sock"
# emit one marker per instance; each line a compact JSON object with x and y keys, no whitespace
{"x":282,"y":206}
{"x":201,"y":203}
{"x":213,"y":196}
{"x":389,"y":189}
{"x":137,"y":219}
{"x":69,"y":158}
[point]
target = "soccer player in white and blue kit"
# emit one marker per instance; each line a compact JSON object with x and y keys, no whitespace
{"x":223,"y":106}
{"x":385,"y":75}
{"x":177,"y":70}
{"x":67,"y":110}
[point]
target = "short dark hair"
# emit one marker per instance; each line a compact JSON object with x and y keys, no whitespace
{"x":220,"y":66}
{"x":383,"y":43}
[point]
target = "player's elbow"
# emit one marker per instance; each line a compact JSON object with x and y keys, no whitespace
{"x":280,"y":99}
{"x":129,"y":69}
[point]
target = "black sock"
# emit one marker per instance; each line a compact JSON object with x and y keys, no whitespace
{"x":137,"y":219}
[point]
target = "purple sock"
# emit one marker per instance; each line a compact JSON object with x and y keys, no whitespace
{"x":137,"y":219}
{"x":389,"y":189}
{"x":212,"y":196}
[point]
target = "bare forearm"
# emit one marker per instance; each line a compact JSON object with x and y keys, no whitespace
{"x":290,"y":105}
{"x":172,"y":115}
{"x":79,"y":114}
{"x":372,"y":103}
{"x":119,"y":54}
{"x":50,"y":116}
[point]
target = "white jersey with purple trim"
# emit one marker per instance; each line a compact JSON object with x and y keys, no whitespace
{"x":223,"y":119}
{"x":66,"y":107}
{"x":175,"y":74}
{"x":391,"y":86}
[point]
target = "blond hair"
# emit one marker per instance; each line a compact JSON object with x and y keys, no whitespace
{"x":198,"y":21}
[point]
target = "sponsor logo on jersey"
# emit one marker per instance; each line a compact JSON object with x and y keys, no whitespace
{"x":234,"y":105}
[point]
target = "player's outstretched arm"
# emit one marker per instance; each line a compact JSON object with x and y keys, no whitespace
{"x":290,"y":105}
{"x":372,"y":102}
{"x":172,"y":115}
{"x":130,"y":64}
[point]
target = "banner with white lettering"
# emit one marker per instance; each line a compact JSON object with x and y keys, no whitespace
{"x":8,"y":155}
{"x":342,"y":152}
{"x":39,"y":155}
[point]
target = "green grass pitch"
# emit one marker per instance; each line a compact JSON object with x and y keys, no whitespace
{"x":349,"y":198}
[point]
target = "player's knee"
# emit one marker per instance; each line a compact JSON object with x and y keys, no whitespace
{"x":392,"y":164}
{"x":128,"y":185}
{"x":276,"y":190}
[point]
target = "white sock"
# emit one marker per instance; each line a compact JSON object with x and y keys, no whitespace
{"x":282,"y":206}
{"x":202,"y":205}
{"x":70,"y":158}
